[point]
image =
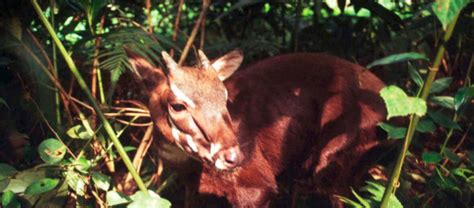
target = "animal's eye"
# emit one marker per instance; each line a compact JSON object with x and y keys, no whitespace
{"x":178,"y":107}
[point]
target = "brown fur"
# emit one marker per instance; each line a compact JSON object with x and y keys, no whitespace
{"x":299,"y":117}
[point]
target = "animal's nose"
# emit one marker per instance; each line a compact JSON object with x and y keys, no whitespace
{"x":229,"y":159}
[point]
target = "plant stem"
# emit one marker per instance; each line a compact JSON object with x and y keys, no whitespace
{"x":393,"y":181}
{"x":108,"y":128}
{"x":57,"y":100}
{"x":189,"y":43}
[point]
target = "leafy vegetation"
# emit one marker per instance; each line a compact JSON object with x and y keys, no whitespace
{"x":72,"y":115}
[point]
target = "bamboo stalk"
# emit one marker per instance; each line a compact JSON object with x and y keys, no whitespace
{"x":414,"y":119}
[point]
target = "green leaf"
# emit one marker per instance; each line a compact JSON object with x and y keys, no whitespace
{"x":7,"y":198}
{"x":4,"y":184}
{"x":399,"y":104}
{"x":396,"y":58}
{"x":377,"y":190}
{"x":440,"y":84}
{"x":116,"y":198}
{"x":426,"y":126}
{"x":82,"y":164}
{"x":415,"y":75}
{"x":393,"y":131}
{"x":446,"y":10}
{"x":79,"y":132}
{"x":463,"y":95}
{"x":443,"y":101}
{"x":431,"y":157}
{"x":140,"y":199}
{"x":102,"y":181}
{"x":41,"y":186}
{"x":51,"y":151}
{"x":451,"y":156}
{"x":443,"y":121}
{"x":76,"y":182}
{"x":6,"y":170}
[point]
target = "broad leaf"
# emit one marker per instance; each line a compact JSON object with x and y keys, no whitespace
{"x":443,"y":121}
{"x":396,"y":58}
{"x":415,"y":75}
{"x":141,"y":199}
{"x":102,"y":181}
{"x":463,"y":95}
{"x":78,"y":132}
{"x":76,"y":182}
{"x":51,"y":151}
{"x":446,"y":10}
{"x":7,"y":198}
{"x":443,"y":101}
{"x":41,"y":186}
{"x":431,"y":157}
{"x":440,"y":84}
{"x":426,"y":126}
{"x":399,"y":104}
{"x":392,"y":131}
{"x":116,"y":198}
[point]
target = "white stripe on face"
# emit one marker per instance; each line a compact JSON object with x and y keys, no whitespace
{"x":191,"y":143}
{"x":214,"y":149}
{"x":180,"y":94}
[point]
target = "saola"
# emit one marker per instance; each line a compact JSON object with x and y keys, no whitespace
{"x":298,"y":117}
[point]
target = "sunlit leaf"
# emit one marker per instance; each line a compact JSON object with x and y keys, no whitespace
{"x":41,"y":186}
{"x":140,"y":199}
{"x":440,"y":84}
{"x":78,"y":132}
{"x":399,"y":104}
{"x":431,"y":157}
{"x":51,"y":151}
{"x":100,"y":180}
{"x":396,"y":58}
{"x":76,"y":182}
{"x":116,"y":198}
{"x":446,"y":10}
{"x":7,"y":198}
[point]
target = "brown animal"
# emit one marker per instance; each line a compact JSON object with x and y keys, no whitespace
{"x":299,"y":117}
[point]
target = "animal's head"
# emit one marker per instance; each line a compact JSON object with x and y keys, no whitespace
{"x":189,"y":106}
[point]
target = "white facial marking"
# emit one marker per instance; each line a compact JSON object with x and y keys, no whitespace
{"x":226,"y":94}
{"x":220,"y":165}
{"x":191,"y":143}
{"x":180,"y":94}
{"x":175,"y":133}
{"x":233,"y":155}
{"x":214,"y":149}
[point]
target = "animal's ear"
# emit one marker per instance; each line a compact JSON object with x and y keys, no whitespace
{"x":145,"y":71}
{"x":226,"y":65}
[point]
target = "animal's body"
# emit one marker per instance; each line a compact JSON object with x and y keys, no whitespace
{"x":299,"y":117}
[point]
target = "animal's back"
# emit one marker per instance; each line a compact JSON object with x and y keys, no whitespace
{"x":306,"y":116}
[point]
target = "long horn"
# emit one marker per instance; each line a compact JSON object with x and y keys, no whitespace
{"x":170,"y":63}
{"x":204,"y":60}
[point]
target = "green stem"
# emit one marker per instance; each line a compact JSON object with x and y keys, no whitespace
{"x":393,"y":181}
{"x":456,"y":116}
{"x":108,"y":128}
{"x":57,"y":100}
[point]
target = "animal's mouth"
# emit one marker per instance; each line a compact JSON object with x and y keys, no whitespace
{"x":214,"y":156}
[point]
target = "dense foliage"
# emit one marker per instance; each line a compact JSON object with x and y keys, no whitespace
{"x":60,"y":131}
